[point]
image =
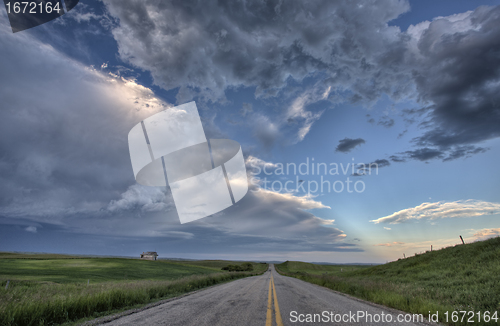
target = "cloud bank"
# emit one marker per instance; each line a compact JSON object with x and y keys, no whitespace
{"x":215,"y":45}
{"x":485,"y":234}
{"x":438,"y":210}
{"x":448,"y":65}
{"x":69,"y":169}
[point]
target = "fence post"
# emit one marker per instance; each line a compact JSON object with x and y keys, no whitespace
{"x":7,"y":286}
{"x":431,"y":247}
{"x":462,"y":240}
{"x":404,"y":256}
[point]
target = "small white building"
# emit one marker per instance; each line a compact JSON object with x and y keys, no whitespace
{"x":150,"y":255}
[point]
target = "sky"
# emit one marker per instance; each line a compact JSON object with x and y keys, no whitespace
{"x":369,"y":129}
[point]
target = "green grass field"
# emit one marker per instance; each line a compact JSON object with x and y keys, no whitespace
{"x":460,"y":278}
{"x":46,"y":289}
{"x":218,"y":264}
{"x":316,"y":269}
{"x":96,"y":269}
{"x":17,"y":255}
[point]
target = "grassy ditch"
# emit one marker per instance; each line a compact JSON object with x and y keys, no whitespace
{"x":460,"y":278}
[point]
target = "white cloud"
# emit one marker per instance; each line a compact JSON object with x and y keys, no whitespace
{"x":147,"y":199}
{"x":81,"y":13}
{"x":407,"y":249}
{"x":301,"y":202}
{"x":260,"y":219}
{"x":298,"y":112}
{"x":80,"y":17}
{"x":440,"y":28}
{"x":293,"y":124}
{"x":485,"y":234}
{"x":31,"y":229}
{"x":433,"y":211}
{"x":389,"y":244}
{"x":257,"y":165}
{"x":398,"y":248}
{"x":410,"y":248}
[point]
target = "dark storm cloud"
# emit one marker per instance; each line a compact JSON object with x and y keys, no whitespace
{"x":458,"y":71}
{"x":213,"y":45}
{"x":424,"y":154}
{"x":397,"y":159}
{"x":370,"y":168}
{"x":450,"y":65}
{"x":464,"y":151}
{"x":381,"y":163}
{"x":347,"y":144}
{"x":65,"y":165}
{"x":386,"y":122}
{"x":370,"y":119}
{"x":401,"y":134}
{"x":416,"y":111}
{"x":64,"y":157}
{"x":63,"y":138}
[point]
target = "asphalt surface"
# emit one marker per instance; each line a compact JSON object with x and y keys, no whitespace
{"x":269,"y":299}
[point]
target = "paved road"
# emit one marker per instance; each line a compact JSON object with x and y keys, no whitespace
{"x":268,"y":299}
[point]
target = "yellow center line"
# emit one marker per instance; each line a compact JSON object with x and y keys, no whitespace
{"x":269,"y":317}
{"x":279,"y":322}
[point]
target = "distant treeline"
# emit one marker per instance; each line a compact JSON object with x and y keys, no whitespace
{"x":245,"y":267}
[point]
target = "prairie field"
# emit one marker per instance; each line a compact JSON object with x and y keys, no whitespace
{"x":46,"y":289}
{"x":460,"y":278}
{"x":317,"y":269}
